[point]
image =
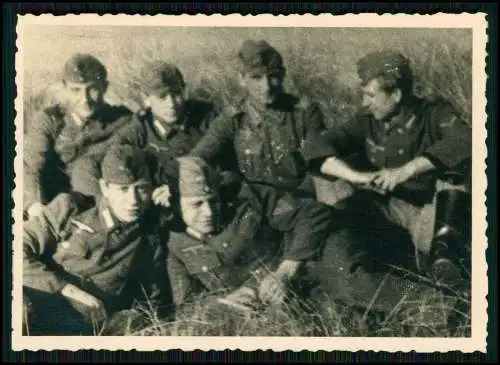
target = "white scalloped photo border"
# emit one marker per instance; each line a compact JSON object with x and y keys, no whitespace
{"x":477,"y":22}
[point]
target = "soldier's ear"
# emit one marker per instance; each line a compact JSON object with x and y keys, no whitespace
{"x":104,"y":187}
{"x":397,"y":95}
{"x":241,"y":79}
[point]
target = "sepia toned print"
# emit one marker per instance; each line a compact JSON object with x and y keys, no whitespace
{"x":230,"y":182}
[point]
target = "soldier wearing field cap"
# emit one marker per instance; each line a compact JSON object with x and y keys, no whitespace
{"x":167,"y":126}
{"x":409,"y":149}
{"x":274,"y":137}
{"x":89,"y":265}
{"x":219,"y":248}
{"x":59,"y":135}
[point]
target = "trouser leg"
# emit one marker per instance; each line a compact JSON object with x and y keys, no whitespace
{"x":305,"y":225}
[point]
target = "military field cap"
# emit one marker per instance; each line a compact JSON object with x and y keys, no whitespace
{"x":160,"y":76}
{"x":197,"y":178}
{"x":385,"y":62}
{"x":125,"y":164}
{"x":84,"y":68}
{"x":259,"y":58}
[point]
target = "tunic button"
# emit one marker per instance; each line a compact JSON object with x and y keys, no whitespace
{"x":401,"y":151}
{"x":225,"y":244}
{"x":400,"y":130}
{"x":204,"y":268}
{"x":87,"y":280}
{"x":247,"y":151}
{"x":280,"y":178}
{"x":372,"y":159}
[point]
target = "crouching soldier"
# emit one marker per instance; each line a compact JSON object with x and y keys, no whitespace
{"x":59,"y":135}
{"x":410,"y":149}
{"x":221,"y":248}
{"x":168,"y":125}
{"x":81,"y":267}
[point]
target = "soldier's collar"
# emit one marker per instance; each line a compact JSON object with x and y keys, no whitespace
{"x":258,"y":114}
{"x":197,"y":235}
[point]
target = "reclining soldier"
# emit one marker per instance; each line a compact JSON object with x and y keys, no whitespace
{"x":167,"y":126}
{"x":407,"y":150}
{"x":219,"y":248}
{"x":82,"y":267}
{"x":59,"y":135}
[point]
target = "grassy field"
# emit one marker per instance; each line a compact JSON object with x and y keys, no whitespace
{"x":320,"y":64}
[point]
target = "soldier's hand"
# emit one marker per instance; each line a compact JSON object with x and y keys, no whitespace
{"x":34,"y":210}
{"x":388,"y":179}
{"x":93,"y":306}
{"x":161,"y":196}
{"x":272,"y":290}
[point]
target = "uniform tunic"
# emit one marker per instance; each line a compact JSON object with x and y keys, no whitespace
{"x":273,"y":151}
{"x":55,"y":140}
{"x":423,"y":128}
{"x":237,"y":253}
{"x":162,"y":143}
{"x":93,"y":251}
{"x":273,"y":147}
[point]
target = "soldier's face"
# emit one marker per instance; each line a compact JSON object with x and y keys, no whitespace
{"x":85,"y":99}
{"x":199,"y":213}
{"x":128,"y":202}
{"x":263,"y":89}
{"x":379,"y":102}
{"x":168,"y":106}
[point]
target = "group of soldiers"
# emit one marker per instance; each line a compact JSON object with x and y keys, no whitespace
{"x":155,"y":206}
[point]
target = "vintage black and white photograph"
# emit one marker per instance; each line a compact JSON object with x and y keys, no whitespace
{"x":219,"y":179}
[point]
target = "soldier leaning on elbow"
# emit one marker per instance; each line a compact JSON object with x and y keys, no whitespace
{"x":59,"y":135}
{"x":220,"y":248}
{"x":82,"y":267}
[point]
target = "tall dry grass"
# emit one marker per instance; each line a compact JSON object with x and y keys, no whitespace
{"x":321,"y":65}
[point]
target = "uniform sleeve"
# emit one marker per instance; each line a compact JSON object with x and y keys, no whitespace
{"x":159,"y":285}
{"x":217,"y":138}
{"x":131,"y":133}
{"x":454,"y":143}
{"x":40,"y":240}
{"x":181,"y":282}
{"x":315,"y":145}
{"x":38,"y":140}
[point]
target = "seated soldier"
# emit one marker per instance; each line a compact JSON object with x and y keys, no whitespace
{"x":86,"y":266}
{"x":167,"y":126}
{"x":59,"y":135}
{"x":219,"y":248}
{"x":409,"y":147}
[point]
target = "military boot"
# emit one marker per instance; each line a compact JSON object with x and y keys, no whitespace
{"x":450,"y":249}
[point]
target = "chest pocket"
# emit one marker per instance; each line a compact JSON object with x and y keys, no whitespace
{"x":197,"y":257}
{"x":239,"y":236}
{"x":78,"y":251}
{"x":375,"y":153}
{"x":67,"y":144}
{"x":250,"y":150}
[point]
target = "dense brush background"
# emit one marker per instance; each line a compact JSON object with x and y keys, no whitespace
{"x":320,"y":64}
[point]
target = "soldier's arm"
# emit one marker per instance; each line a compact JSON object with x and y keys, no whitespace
{"x":216,"y":139}
{"x":131,"y":132}
{"x":38,"y":140}
{"x":40,"y":240}
{"x":327,"y":150}
{"x":181,"y":281}
{"x":454,"y":144}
